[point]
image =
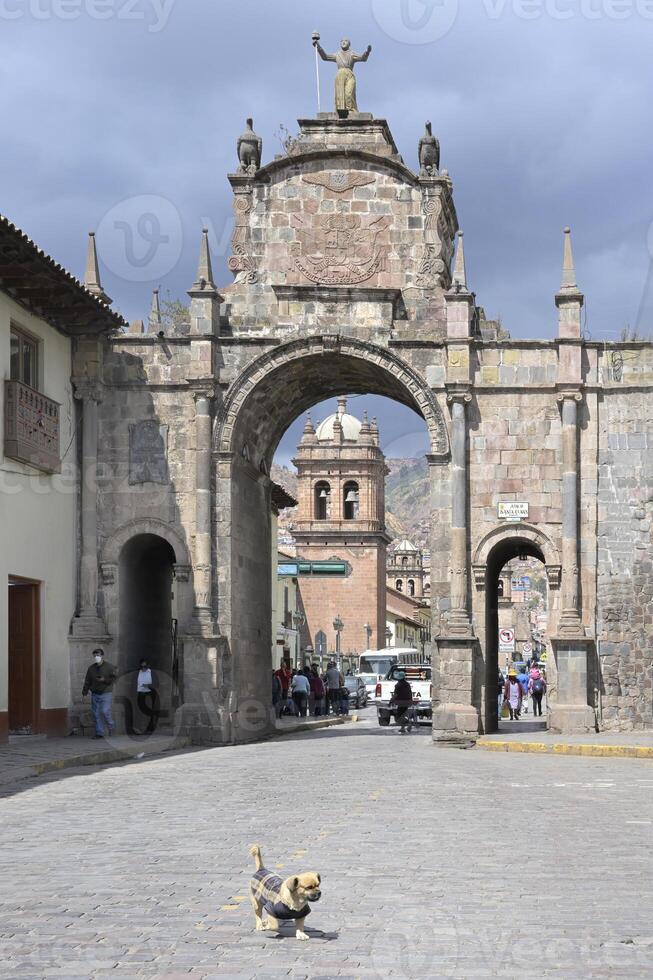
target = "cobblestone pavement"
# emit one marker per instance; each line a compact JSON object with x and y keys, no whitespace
{"x":142,"y":870}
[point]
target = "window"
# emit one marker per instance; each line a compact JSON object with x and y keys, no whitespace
{"x":399,"y":585}
{"x":350,"y":508}
{"x":404,"y":561}
{"x":24,"y":358}
{"x":322,"y":501}
{"x":411,"y":587}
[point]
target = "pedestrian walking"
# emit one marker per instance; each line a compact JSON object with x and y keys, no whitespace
{"x":537,"y":689}
{"x":285,"y":675}
{"x":277,"y":695}
{"x":99,"y":680}
{"x":318,"y":692}
{"x":402,"y":699}
{"x":146,"y":696}
{"x":512,"y":695}
{"x":334,"y":681}
{"x":523,"y":679}
{"x":300,"y":691}
{"x":502,"y":684}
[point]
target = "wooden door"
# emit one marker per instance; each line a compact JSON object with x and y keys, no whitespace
{"x":23,"y":655}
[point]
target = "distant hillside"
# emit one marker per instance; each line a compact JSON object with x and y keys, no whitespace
{"x":406,"y":499}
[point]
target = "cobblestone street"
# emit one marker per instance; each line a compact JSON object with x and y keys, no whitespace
{"x":142,"y":870}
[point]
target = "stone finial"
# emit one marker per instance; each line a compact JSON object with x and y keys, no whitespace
{"x":308,"y":434}
{"x":155,"y":323}
{"x":428,"y":152}
{"x":569,"y":283}
{"x":365,"y":435}
{"x":92,"y":273}
{"x":342,"y":405}
{"x":249,"y":148}
{"x":374,"y":427}
{"x":204,"y":285}
{"x":460,"y":267}
{"x":337,"y":429}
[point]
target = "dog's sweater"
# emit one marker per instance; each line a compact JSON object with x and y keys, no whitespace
{"x":266,"y":887}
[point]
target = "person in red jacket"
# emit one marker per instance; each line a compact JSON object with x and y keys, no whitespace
{"x":284,"y":674}
{"x":318,"y":692}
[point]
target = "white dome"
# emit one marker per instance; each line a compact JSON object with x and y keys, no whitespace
{"x":405,"y":545}
{"x":351,"y":427}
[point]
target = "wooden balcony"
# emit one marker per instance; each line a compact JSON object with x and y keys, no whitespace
{"x":31,"y":427}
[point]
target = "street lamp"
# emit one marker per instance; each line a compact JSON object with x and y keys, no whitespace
{"x":298,"y":619}
{"x":338,"y":626}
{"x":368,"y":635}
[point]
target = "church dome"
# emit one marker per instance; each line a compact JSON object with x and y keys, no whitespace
{"x":351,"y":426}
{"x":405,"y":546}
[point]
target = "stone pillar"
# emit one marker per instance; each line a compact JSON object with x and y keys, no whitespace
{"x":203,"y":610}
{"x":571,"y":711}
{"x":459,"y":622}
{"x":87,"y":623}
{"x":455,"y":711}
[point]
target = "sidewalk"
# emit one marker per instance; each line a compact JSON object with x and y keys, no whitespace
{"x":626,"y":745}
{"x":33,"y":755}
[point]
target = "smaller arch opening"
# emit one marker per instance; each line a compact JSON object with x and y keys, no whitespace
{"x":322,"y":501}
{"x":411,"y":587}
{"x":399,"y":585}
{"x":351,"y":500}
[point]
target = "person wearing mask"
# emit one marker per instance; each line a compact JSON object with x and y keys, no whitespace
{"x":146,"y":695}
{"x":334,"y":681}
{"x":512,"y":695}
{"x":402,"y":699}
{"x":300,"y":691}
{"x":99,"y":680}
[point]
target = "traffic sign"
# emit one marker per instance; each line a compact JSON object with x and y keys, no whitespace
{"x":507,"y":640}
{"x":527,"y":648}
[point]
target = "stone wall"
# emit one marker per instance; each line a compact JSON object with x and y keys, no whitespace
{"x":625,"y":566}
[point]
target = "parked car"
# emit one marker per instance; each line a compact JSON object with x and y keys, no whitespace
{"x":370,"y":682}
{"x":357,"y":690}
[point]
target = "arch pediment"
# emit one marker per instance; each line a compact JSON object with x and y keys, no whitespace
{"x":516,"y":532}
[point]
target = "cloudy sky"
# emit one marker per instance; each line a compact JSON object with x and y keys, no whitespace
{"x":114,"y":110}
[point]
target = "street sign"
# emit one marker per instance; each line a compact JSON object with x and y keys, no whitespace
{"x":527,"y":648}
{"x":512,"y":510}
{"x":507,"y":640}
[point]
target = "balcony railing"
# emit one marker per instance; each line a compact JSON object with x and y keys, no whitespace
{"x":31,"y":427}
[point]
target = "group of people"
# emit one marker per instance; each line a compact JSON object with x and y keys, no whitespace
{"x":306,"y":691}
{"x":515,"y":690}
{"x":99,"y":681}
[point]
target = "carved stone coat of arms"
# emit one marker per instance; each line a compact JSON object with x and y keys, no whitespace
{"x":339,"y":249}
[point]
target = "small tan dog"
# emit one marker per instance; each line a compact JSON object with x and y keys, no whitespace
{"x":281,"y":900}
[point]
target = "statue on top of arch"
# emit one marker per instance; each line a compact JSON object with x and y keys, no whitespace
{"x":345,"y":83}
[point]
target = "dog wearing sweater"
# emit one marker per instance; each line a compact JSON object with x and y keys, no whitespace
{"x":281,"y":899}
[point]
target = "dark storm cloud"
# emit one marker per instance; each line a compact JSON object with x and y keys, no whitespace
{"x":543,"y":120}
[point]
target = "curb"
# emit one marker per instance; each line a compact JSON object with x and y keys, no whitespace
{"x":567,"y":748}
{"x":106,"y":756}
{"x":312,"y":726}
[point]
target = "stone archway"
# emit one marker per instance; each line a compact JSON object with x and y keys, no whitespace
{"x":145,"y":582}
{"x":259,"y":406}
{"x":494,"y":550}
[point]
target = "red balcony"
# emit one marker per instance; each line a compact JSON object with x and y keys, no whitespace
{"x":31,"y":427}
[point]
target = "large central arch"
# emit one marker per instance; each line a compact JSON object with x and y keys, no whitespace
{"x":263,"y":401}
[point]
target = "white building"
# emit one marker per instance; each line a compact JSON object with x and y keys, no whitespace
{"x":51,"y":332}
